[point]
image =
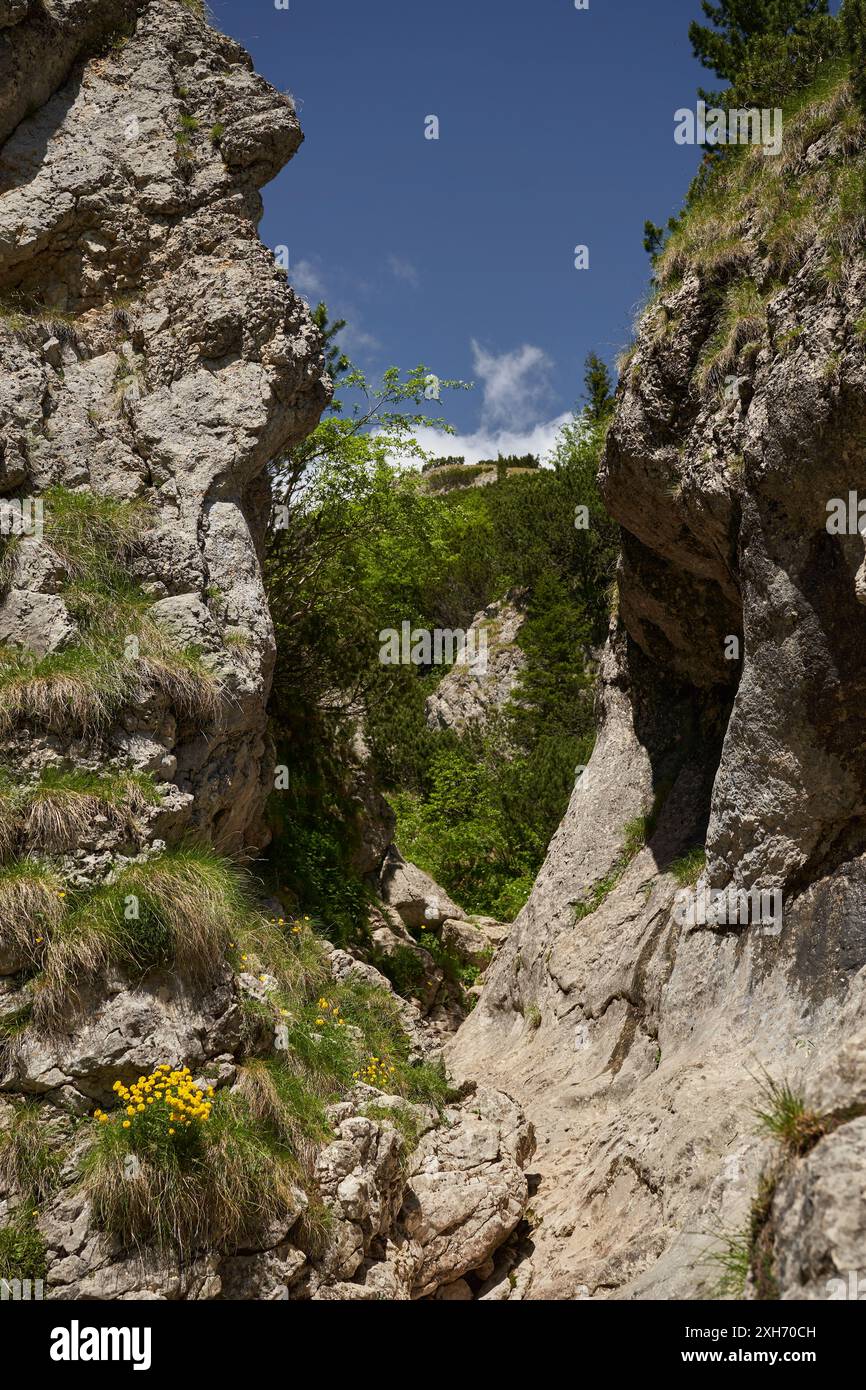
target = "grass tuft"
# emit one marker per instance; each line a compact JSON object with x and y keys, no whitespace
{"x":180,"y":910}
{"x":748,"y":1251}
{"x":56,"y":812}
{"x":122,"y":656}
{"x":689,"y":867}
{"x":32,"y":907}
{"x":219,"y":1189}
{"x":783,"y":1114}
{"x":29,"y":1161}
{"x":741,"y":322}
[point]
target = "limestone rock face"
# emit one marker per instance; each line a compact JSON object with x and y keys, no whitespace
{"x":468,"y":1189}
{"x":464,"y":1194}
{"x":154,"y":358}
{"x":418,"y":899}
{"x":634,"y":1035}
{"x":153,"y":351}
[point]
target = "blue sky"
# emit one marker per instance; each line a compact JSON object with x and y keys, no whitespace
{"x":556,"y":130}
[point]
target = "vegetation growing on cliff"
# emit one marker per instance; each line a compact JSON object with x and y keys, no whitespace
{"x":376,"y":551}
{"x":114,"y":653}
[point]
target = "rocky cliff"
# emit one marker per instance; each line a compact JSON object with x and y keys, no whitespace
{"x":153,"y":360}
{"x":641,"y":1033}
{"x":199,"y":1098}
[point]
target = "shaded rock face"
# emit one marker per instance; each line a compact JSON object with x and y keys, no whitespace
{"x":151,"y":350}
{"x":633,"y":1036}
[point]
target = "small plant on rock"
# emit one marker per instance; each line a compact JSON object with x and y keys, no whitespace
{"x":783,"y":1113}
{"x":187,"y":1169}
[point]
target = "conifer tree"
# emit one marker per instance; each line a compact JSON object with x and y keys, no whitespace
{"x":336,"y":361}
{"x":598,"y":389}
{"x":723,"y":48}
{"x":853,"y":18}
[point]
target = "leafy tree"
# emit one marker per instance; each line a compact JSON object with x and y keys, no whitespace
{"x":653,"y":238}
{"x":366,"y":548}
{"x":775,"y":67}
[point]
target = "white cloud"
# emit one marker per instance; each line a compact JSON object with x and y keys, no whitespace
{"x":403,"y":269}
{"x":355,"y":340}
{"x":516,"y":386}
{"x":306,"y":278}
{"x":537,"y":439}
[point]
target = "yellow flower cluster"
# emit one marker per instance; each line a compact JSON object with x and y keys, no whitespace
{"x":329,"y":1013}
{"x":172,"y":1089}
{"x":376,"y":1073}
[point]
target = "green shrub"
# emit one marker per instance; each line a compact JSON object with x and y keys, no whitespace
{"x":212,"y":1185}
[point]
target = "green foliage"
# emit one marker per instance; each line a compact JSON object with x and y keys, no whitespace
{"x":598,"y":390}
{"x":315,"y":824}
{"x":22,"y":1249}
{"x":454,"y":969}
{"x":368,"y":549}
{"x":812,"y":69}
{"x":782,"y":1113}
{"x":403,"y":967}
{"x":689,"y":867}
{"x":221,"y":1178}
{"x":459,"y":475}
{"x":337,"y":363}
{"x":737,"y":24}
{"x":852,"y":17}
{"x":775,"y":67}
